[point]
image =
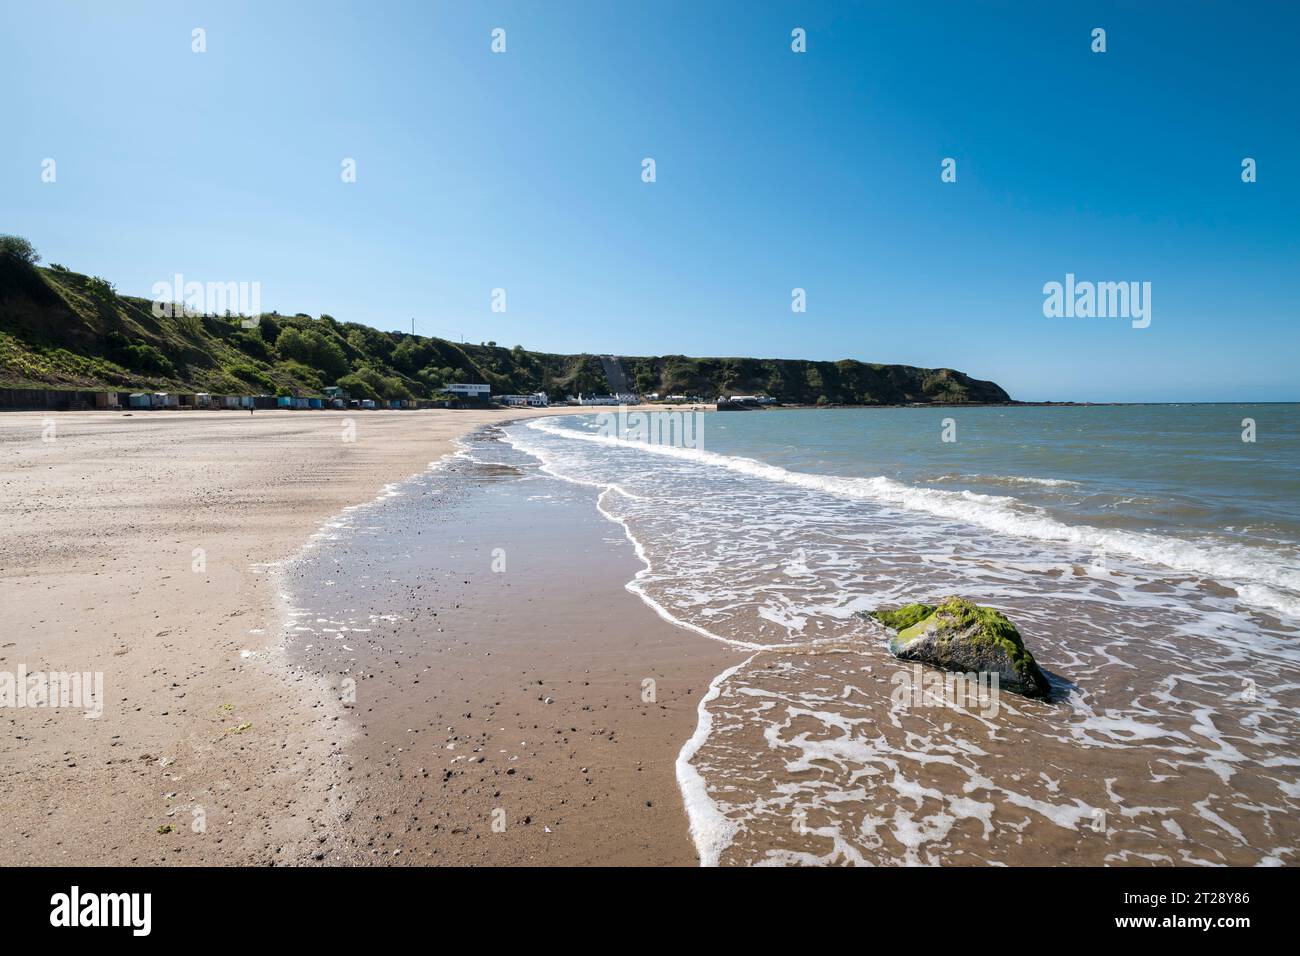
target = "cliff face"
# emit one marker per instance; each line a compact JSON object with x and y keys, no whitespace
{"x":846,"y":382}
{"x":63,"y":329}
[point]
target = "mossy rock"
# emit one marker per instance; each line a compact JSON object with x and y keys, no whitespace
{"x":958,"y":635}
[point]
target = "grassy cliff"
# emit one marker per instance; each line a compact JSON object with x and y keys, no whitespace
{"x":62,"y":329}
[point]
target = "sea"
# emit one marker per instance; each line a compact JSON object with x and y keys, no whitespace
{"x":1149,"y":555}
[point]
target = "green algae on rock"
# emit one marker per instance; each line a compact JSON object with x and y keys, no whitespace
{"x":905,"y":616}
{"x":959,"y":635}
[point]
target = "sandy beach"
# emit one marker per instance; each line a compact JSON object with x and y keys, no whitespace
{"x":138,"y":546}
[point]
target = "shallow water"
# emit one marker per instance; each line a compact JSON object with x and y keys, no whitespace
{"x":1149,"y":556}
{"x":473,"y":621}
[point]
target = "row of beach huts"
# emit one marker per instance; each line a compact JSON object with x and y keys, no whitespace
{"x":209,"y":401}
{"x":455,"y":396}
{"x":84,"y":400}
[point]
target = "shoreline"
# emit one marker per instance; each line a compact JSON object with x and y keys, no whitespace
{"x":496,"y":718}
{"x":130,"y":548}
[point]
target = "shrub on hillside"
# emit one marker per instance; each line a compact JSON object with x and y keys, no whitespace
{"x":358,"y":386}
{"x":251,"y":375}
{"x":370,"y":383}
{"x":411,"y":355}
{"x":251,"y":343}
{"x":137,"y":356}
{"x":145,"y":358}
{"x":269,"y":328}
{"x":302,"y":374}
{"x":100,"y":288}
{"x":311,"y":348}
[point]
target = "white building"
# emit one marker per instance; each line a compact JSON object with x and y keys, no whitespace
{"x":535,"y":400}
{"x":478,"y":393}
{"x":598,"y":400}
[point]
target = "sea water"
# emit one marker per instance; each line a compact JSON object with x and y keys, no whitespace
{"x":1150,"y":556}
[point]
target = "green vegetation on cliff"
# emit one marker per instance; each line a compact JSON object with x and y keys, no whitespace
{"x":61,"y":329}
{"x":846,"y":382}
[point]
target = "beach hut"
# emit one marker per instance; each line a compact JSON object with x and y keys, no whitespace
{"x":300,"y":403}
{"x":203,"y":400}
{"x":106,"y":400}
{"x":141,"y":400}
{"x":284,"y":401}
{"x":367,"y":403}
{"x":315,"y":403}
{"x":338,"y":403}
{"x":165,"y":400}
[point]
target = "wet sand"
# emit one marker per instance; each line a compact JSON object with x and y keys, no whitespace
{"x":129,"y":545}
{"x":515,"y":704}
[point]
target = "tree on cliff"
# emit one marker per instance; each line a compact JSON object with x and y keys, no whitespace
{"x":20,"y":249}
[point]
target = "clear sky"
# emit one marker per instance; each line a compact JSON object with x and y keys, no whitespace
{"x":775,"y":170}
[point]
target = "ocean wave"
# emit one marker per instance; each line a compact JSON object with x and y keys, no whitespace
{"x":1266,"y":582}
{"x":1007,"y":480}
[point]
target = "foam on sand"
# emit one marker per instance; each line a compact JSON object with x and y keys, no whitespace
{"x":711,"y":830}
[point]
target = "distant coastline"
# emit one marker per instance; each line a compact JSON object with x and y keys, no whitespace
{"x":64,"y":331}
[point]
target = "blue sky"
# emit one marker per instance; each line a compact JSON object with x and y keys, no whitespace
{"x":775,"y":170}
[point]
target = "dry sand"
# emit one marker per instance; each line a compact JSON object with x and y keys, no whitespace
{"x":206,"y":730}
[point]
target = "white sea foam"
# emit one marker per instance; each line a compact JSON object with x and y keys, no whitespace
{"x":1009,"y":480}
{"x":1266,"y":581}
{"x":711,"y":830}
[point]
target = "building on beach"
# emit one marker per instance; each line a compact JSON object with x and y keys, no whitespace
{"x":466,"y":393}
{"x":534,"y":400}
{"x":469,"y":392}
